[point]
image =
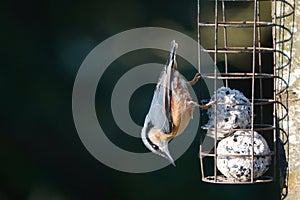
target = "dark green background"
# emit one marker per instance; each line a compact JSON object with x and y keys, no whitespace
{"x":43,"y":44}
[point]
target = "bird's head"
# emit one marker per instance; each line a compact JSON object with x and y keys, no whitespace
{"x":156,"y":141}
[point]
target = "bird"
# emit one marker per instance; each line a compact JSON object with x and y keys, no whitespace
{"x":171,"y":108}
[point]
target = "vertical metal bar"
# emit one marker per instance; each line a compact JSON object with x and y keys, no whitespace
{"x":274,"y":86}
{"x":215,"y":88}
{"x":198,"y":36}
{"x":280,"y":60}
{"x":288,"y":81}
{"x":225,"y":40}
{"x":281,"y":37}
{"x":260,"y":63}
{"x":280,"y":72}
{"x":279,"y":44}
{"x":199,"y":70}
{"x":201,"y":158}
{"x":291,"y":47}
{"x":252,"y":88}
{"x":278,"y":47}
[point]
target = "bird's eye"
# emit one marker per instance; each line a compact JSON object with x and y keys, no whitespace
{"x":154,"y":146}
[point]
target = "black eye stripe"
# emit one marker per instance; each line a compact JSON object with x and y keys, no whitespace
{"x":148,"y":128}
{"x":154,"y":146}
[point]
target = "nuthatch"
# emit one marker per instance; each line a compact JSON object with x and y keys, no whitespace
{"x":171,"y":108}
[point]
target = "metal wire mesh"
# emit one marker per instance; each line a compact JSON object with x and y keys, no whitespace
{"x":263,"y":79}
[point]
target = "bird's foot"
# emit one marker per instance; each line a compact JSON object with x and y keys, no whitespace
{"x":195,"y":79}
{"x":205,"y":106}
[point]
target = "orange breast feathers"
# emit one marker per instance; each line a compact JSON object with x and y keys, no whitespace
{"x":182,"y":110}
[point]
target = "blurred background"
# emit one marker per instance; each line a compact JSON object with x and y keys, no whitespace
{"x":43,"y":44}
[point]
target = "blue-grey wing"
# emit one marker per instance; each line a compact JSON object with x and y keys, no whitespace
{"x":160,"y":110}
{"x":160,"y":113}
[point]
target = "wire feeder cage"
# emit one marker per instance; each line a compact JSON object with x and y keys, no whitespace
{"x":264,"y":81}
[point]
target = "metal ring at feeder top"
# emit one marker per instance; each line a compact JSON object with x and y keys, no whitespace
{"x":240,"y":50}
{"x":256,"y":102}
{"x":237,"y":75}
{"x":272,"y":153}
{"x":238,"y":24}
{"x":256,"y":127}
{"x":223,"y":180}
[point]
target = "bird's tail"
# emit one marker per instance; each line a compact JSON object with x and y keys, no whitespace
{"x":172,"y":59}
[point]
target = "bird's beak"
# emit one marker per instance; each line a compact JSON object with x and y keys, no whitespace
{"x":169,"y":157}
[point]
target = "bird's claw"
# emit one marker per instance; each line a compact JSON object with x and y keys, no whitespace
{"x":206,"y":106}
{"x":209,"y":104}
{"x":195,"y":79}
